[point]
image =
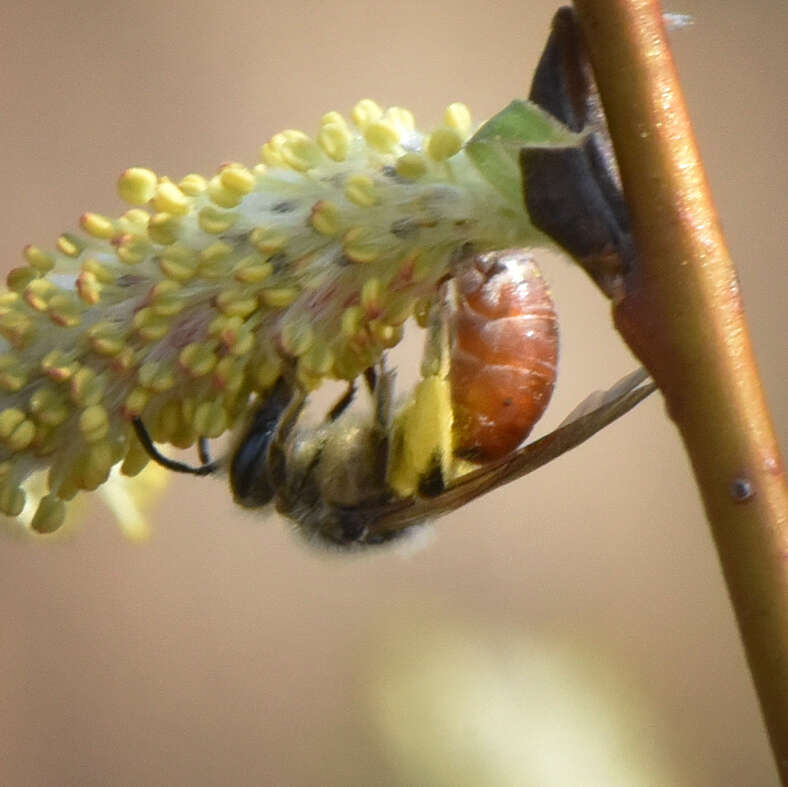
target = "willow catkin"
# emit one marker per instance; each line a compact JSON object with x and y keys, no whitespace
{"x":193,"y":300}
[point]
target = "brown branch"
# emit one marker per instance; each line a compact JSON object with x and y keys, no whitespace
{"x":682,"y":314}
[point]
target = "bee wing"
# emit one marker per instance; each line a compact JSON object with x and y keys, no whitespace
{"x":591,"y":415}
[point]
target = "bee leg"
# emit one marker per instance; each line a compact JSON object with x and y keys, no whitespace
{"x":251,"y":473}
{"x":343,"y":402}
{"x":206,"y":468}
{"x":574,"y":194}
{"x":204,"y":450}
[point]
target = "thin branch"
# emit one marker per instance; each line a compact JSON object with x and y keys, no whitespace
{"x":682,"y":314}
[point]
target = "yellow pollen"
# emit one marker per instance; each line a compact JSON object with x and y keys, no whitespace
{"x":192,"y":185}
{"x":137,"y":185}
{"x":360,"y":189}
{"x":97,"y":225}
{"x":443,"y":143}
{"x":168,"y":198}
{"x":42,"y":261}
{"x":50,"y":514}
{"x":411,"y":165}
{"x":365,"y":112}
{"x":325,"y":217}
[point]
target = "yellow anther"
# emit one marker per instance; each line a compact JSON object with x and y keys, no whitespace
{"x":18,"y":279}
{"x":16,"y":328}
{"x":360,"y":189}
{"x":237,"y":178}
{"x":135,"y":402}
{"x":131,"y":249}
{"x":21,"y":435}
{"x":49,"y":407}
{"x":239,"y":342}
{"x":458,"y":117}
{"x":216,"y":252}
{"x":156,"y":376}
{"x":94,"y":423}
{"x":278,"y":297}
{"x":10,"y":419}
{"x":166,"y":298}
{"x":270,"y":154}
{"x":178,"y":263}
{"x":251,"y":270}
{"x":299,"y":151}
{"x":236,"y":303}
{"x":197,"y":358}
{"x":12,"y":499}
{"x":334,"y":141}
{"x":193,"y":185}
{"x":88,"y":288}
{"x":70,"y":245}
{"x":221,"y":195}
{"x":41,"y":260}
{"x":87,"y":387}
{"x":267,"y":240}
{"x":105,"y":338}
{"x":382,"y":135}
{"x":96,"y":464}
{"x":297,"y":337}
{"x":398,"y":309}
{"x":318,"y":359}
{"x":151,"y":326}
{"x":325,"y":217}
{"x":13,"y":376}
{"x":38,"y":294}
{"x":137,"y":185}
{"x":215,"y":221}
{"x":50,"y":515}
{"x":360,"y":246}
{"x":443,"y":143}
{"x":388,"y":335}
{"x":352,"y":320}
{"x":57,"y":366}
{"x":266,"y":373}
{"x":103,"y":274}
{"x":124,"y":361}
{"x":366,"y":112}
{"x":134,"y":220}
{"x":65,"y":310}
{"x":258,"y":170}
{"x":371,"y":300}
{"x":168,"y":198}
{"x":402,"y":118}
{"x":411,"y":165}
{"x":97,"y":225}
{"x":136,"y":459}
{"x":164,"y":228}
{"x":210,"y":418}
{"x":334,"y":118}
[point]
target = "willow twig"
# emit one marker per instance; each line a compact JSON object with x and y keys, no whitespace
{"x":681,"y":313}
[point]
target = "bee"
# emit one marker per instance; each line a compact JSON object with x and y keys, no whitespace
{"x":488,"y":371}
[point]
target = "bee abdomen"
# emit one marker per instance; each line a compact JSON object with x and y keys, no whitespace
{"x":504,"y":351}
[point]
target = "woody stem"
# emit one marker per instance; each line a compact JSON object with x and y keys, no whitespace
{"x":682,"y":315}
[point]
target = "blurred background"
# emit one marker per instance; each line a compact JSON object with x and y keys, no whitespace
{"x":570,"y":629}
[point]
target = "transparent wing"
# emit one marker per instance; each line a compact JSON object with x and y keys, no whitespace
{"x":592,"y":414}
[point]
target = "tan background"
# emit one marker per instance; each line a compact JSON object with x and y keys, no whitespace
{"x":225,"y":652}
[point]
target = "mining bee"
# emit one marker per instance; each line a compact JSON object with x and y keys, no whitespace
{"x":488,"y":372}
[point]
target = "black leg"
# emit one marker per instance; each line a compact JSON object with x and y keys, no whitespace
{"x":171,"y":464}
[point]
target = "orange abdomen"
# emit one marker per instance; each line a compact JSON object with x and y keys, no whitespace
{"x":504,"y":350}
